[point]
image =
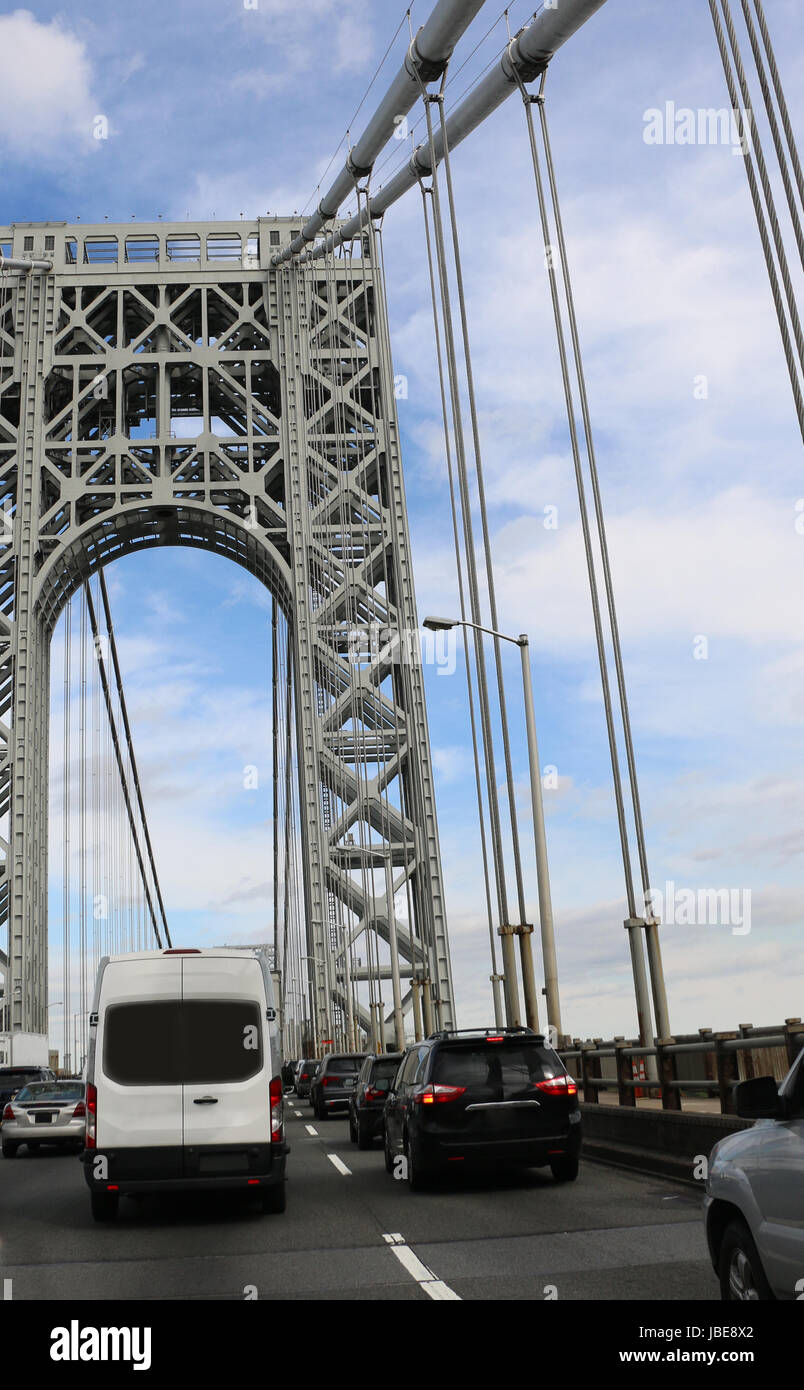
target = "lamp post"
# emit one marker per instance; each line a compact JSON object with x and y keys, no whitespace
{"x":539,"y":838}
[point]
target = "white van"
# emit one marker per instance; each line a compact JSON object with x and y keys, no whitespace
{"x":184,"y":1087}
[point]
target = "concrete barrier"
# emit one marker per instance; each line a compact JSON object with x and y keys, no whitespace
{"x":665,"y":1142}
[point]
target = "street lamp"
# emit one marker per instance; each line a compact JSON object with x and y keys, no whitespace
{"x":539,"y":837}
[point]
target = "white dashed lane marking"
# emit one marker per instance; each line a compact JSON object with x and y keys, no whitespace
{"x":310,"y":1130}
{"x":425,"y":1278}
{"x":341,"y":1167}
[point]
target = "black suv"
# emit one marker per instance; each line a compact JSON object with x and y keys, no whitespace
{"x":367,"y":1100}
{"x":484,"y":1098}
{"x":13,"y":1078}
{"x":332,"y":1085}
{"x":305,"y":1070}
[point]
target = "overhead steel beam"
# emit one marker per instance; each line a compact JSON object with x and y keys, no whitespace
{"x":426,"y":59}
{"x":525,"y":58}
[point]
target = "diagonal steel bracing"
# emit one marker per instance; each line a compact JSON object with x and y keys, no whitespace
{"x":166,"y":386}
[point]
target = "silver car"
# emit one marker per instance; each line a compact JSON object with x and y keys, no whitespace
{"x":754,"y":1203}
{"x":45,"y":1112}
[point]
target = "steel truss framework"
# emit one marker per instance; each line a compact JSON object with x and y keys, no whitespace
{"x":165,"y":387}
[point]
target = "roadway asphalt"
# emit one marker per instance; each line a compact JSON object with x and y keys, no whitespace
{"x":356,"y":1235}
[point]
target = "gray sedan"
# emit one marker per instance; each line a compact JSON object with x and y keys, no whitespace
{"x":754,"y":1204}
{"x":45,"y":1112}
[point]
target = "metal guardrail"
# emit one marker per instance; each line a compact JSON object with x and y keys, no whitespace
{"x":727,"y":1058}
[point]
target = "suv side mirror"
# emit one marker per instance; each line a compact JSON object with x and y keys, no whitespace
{"x":759,"y":1099}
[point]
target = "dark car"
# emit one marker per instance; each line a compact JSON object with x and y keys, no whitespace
{"x":12,"y":1078}
{"x":482,"y":1098}
{"x":333,"y":1083}
{"x":304,"y":1074}
{"x":367,"y":1100}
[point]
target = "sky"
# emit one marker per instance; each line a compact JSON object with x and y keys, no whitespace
{"x":217,"y":107}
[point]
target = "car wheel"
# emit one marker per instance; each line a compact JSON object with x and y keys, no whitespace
{"x":417,"y":1176}
{"x":565,"y":1169}
{"x":274,"y":1198}
{"x":389,"y":1158}
{"x":104,"y":1205}
{"x":9,"y":1148}
{"x":364,"y":1139}
{"x":742,"y":1278}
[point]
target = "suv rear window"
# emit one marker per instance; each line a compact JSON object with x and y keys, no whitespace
{"x":169,"y":1042}
{"x":344,"y":1066}
{"x":500,"y":1068}
{"x":383,"y":1071}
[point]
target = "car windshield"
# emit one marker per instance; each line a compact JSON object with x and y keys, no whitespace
{"x":52,"y":1090}
{"x":500,"y":1069}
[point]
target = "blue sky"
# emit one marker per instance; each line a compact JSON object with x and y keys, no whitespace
{"x":215,"y":109}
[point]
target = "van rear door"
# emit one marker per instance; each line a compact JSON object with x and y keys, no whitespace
{"x":136,"y":1059}
{"x":227,"y":1109}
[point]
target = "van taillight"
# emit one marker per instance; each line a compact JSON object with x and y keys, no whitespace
{"x":80,"y":1111}
{"x":275,"y":1091}
{"x":183,"y":951}
{"x":91,"y":1131}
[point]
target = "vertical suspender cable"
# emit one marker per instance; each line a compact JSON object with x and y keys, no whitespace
{"x":790,"y":192}
{"x":524,"y":928}
{"x":107,"y":613}
{"x":635,"y":922}
{"x":780,"y":97}
{"x":70,"y":1063}
{"x":462,"y":600}
{"x":82,"y":811}
{"x":131,"y":840}
{"x":766,"y":184}
{"x":761,"y":223}
{"x":509,"y":956}
{"x":651,"y":926}
{"x":275,"y":775}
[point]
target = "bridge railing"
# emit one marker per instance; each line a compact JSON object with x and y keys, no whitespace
{"x":708,"y":1062}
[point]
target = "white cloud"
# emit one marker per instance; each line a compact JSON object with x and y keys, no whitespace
{"x":46,"y":80}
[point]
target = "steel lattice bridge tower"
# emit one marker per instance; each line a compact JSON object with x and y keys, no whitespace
{"x":292,"y":470}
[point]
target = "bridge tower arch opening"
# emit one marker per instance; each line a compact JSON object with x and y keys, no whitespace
{"x":165,"y":386}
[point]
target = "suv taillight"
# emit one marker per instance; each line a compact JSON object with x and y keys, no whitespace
{"x":91,"y":1132}
{"x":275,"y":1091}
{"x":80,"y":1111}
{"x":432,"y":1095}
{"x":304,"y":1076}
{"x":8,"y":1113}
{"x":371,"y":1094}
{"x":558,"y":1086}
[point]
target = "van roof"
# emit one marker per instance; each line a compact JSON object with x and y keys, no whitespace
{"x":234,"y":952}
